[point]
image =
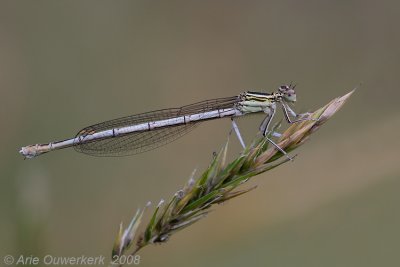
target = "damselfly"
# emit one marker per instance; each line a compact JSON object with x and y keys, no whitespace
{"x":142,"y":132}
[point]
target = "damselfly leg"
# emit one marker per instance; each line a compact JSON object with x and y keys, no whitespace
{"x":286,"y":110}
{"x":264,"y":129}
{"x":236,"y":129}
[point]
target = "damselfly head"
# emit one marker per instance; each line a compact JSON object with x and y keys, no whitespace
{"x":288,"y":92}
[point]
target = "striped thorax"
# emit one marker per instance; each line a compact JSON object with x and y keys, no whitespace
{"x":252,"y":102}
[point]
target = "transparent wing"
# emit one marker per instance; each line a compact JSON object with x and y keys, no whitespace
{"x":138,"y":142}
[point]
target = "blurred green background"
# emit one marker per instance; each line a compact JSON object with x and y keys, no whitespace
{"x":68,"y":64}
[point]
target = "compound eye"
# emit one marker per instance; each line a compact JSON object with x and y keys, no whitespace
{"x":283,"y":88}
